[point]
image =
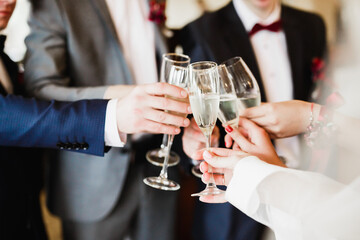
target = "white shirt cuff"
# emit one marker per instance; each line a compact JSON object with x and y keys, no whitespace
{"x":112,"y":136}
{"x":248,"y":173}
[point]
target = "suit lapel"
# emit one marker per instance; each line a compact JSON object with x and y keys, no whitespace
{"x":160,"y":41}
{"x":161,"y":45}
{"x":295,"y":50}
{"x":102,"y":10}
{"x":237,"y":42}
{"x":104,"y":14}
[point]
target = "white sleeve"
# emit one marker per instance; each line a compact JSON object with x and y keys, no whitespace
{"x":295,"y":204}
{"x":112,"y":136}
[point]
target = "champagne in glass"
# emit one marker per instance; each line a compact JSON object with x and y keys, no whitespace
{"x":205,"y":110}
{"x":249,"y":101}
{"x":245,"y":84}
{"x":204,"y":100}
{"x":228,"y":109}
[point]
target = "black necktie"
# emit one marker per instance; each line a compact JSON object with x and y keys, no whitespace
{"x":274,"y":27}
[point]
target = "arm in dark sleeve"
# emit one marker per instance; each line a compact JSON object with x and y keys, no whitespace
{"x":76,"y":126}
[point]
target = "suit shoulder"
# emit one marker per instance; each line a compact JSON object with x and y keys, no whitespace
{"x":206,"y":20}
{"x":302,"y":16}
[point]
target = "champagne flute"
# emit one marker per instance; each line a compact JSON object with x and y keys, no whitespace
{"x":157,"y":156}
{"x":245,"y":84}
{"x":228,"y":108}
{"x":204,"y":100}
{"x":177,"y":75}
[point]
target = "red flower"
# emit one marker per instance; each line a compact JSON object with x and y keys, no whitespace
{"x":317,"y":65}
{"x":318,"y":72}
{"x":318,"y":68}
{"x":157,"y":11}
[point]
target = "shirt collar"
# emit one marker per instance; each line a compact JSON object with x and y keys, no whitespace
{"x":249,"y":18}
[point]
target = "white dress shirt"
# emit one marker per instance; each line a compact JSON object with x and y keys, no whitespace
{"x":295,"y":204}
{"x":136,"y":36}
{"x":272,"y":56}
{"x":112,"y":136}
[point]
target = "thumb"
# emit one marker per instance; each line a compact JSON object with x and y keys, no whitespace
{"x":198,"y":155}
{"x":227,"y":162}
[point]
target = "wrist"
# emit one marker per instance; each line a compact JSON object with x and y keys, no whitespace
{"x":112,"y":135}
{"x":316,"y":111}
{"x":117,"y":91}
{"x":320,"y":126}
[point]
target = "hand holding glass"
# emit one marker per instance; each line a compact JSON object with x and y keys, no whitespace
{"x":174,"y":70}
{"x":157,"y":156}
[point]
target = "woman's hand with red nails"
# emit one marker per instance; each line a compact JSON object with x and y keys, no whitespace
{"x":252,"y":139}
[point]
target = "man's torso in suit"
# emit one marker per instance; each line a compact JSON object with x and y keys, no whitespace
{"x":76,"y":45}
{"x":221,"y":35}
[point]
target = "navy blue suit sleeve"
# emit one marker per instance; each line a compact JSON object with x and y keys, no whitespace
{"x":75,"y":126}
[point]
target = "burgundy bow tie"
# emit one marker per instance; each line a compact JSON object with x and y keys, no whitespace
{"x":274,"y":27}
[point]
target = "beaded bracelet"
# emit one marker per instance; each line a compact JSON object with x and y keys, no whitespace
{"x":319,"y":131}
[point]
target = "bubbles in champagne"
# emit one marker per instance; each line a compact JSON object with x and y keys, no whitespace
{"x":229,"y":110}
{"x":205,"y":110}
{"x":247,"y":102}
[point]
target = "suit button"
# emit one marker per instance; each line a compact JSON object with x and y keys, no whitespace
{"x":60,"y":145}
{"x":77,"y":146}
{"x":69,"y":146}
{"x":84,"y":146}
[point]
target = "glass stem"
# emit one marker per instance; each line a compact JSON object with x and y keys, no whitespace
{"x":163,"y":146}
{"x":163,"y":173}
{"x":211,"y":182}
{"x":164,"y":141}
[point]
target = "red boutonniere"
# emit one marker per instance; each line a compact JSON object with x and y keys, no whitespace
{"x":318,"y":69}
{"x":157,"y":11}
{"x":324,"y":85}
{"x":318,"y":72}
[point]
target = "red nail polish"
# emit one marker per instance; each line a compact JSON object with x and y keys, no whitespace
{"x":229,"y":129}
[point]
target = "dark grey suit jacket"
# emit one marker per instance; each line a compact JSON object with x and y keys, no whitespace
{"x":73,"y":53}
